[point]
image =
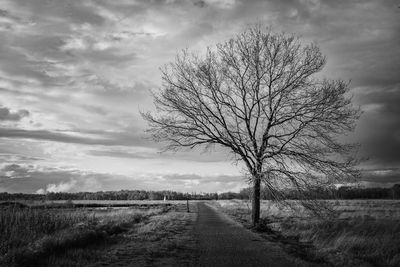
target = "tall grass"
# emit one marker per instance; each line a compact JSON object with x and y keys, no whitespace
{"x":363,"y":233}
{"x":20,"y":228}
{"x":349,"y":242}
{"x":29,"y":235}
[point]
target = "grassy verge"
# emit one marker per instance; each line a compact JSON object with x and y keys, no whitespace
{"x":36,"y":237}
{"x":352,"y":241}
{"x":165,"y":239}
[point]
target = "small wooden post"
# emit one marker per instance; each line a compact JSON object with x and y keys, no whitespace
{"x":187,"y":205}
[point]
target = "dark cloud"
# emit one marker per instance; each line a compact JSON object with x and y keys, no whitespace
{"x":6,"y":14}
{"x":379,"y":127}
{"x":75,"y":12}
{"x":19,"y":63}
{"x":95,"y":109}
{"x":6,"y":156}
{"x":47,"y":135}
{"x":105,"y":138}
{"x":199,"y":3}
{"x":388,"y":175}
{"x":14,"y":171}
{"x":7,"y":115}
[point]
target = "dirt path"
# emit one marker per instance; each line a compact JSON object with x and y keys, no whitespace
{"x":223,"y":242}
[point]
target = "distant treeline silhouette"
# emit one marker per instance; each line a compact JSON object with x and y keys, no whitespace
{"x":344,"y":192}
{"x":112,"y":195}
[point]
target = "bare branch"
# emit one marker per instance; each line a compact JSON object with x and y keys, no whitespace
{"x":257,"y":95}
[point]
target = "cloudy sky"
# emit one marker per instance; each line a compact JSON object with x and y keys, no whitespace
{"x":75,"y":74}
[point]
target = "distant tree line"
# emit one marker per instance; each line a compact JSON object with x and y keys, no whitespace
{"x":112,"y":195}
{"x":344,"y":192}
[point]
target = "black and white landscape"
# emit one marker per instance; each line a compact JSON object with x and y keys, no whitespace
{"x":199,"y":133}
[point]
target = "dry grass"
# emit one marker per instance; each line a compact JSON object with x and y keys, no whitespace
{"x":351,"y":241}
{"x":389,"y":209}
{"x":19,"y":227}
{"x":102,"y":203}
{"x":362,"y":232}
{"x":38,"y":237}
{"x":165,"y":239}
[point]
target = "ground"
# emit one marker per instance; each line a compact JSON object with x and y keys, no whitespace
{"x":212,"y":233}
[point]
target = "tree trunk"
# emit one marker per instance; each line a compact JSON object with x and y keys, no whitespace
{"x":255,"y":209}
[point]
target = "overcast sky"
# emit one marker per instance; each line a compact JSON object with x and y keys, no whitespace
{"x":74,"y":75}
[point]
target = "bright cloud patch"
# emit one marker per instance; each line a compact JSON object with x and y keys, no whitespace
{"x":88,"y":185}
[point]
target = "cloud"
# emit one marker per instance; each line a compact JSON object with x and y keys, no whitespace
{"x":61,"y":187}
{"x":200,"y":3}
{"x":84,"y":138}
{"x":385,"y":176}
{"x":194,"y":155}
{"x":73,"y":12}
{"x":379,"y":127}
{"x":73,"y":185}
{"x":36,"y":178}
{"x":42,"y":179}
{"x":7,"y":115}
{"x":47,"y":135}
{"x":15,"y":171}
{"x":122,"y":154}
{"x":4,"y":157}
{"x":77,"y":74}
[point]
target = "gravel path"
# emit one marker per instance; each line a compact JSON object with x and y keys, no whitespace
{"x":223,"y":242}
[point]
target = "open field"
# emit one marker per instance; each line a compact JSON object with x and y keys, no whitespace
{"x":377,"y":208}
{"x":54,"y":235}
{"x":93,"y":203}
{"x":358,"y":233}
{"x":158,"y":233}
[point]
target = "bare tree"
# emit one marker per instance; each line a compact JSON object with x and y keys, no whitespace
{"x":258,"y":96}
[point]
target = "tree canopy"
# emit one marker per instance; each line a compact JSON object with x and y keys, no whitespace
{"x":257,"y":94}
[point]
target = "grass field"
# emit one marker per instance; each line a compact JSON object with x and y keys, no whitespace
{"x":357,"y":233}
{"x":143,"y":233}
{"x":59,"y":234}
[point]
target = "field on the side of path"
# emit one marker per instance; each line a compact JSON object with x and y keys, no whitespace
{"x":356,"y":233}
{"x":67,"y":233}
